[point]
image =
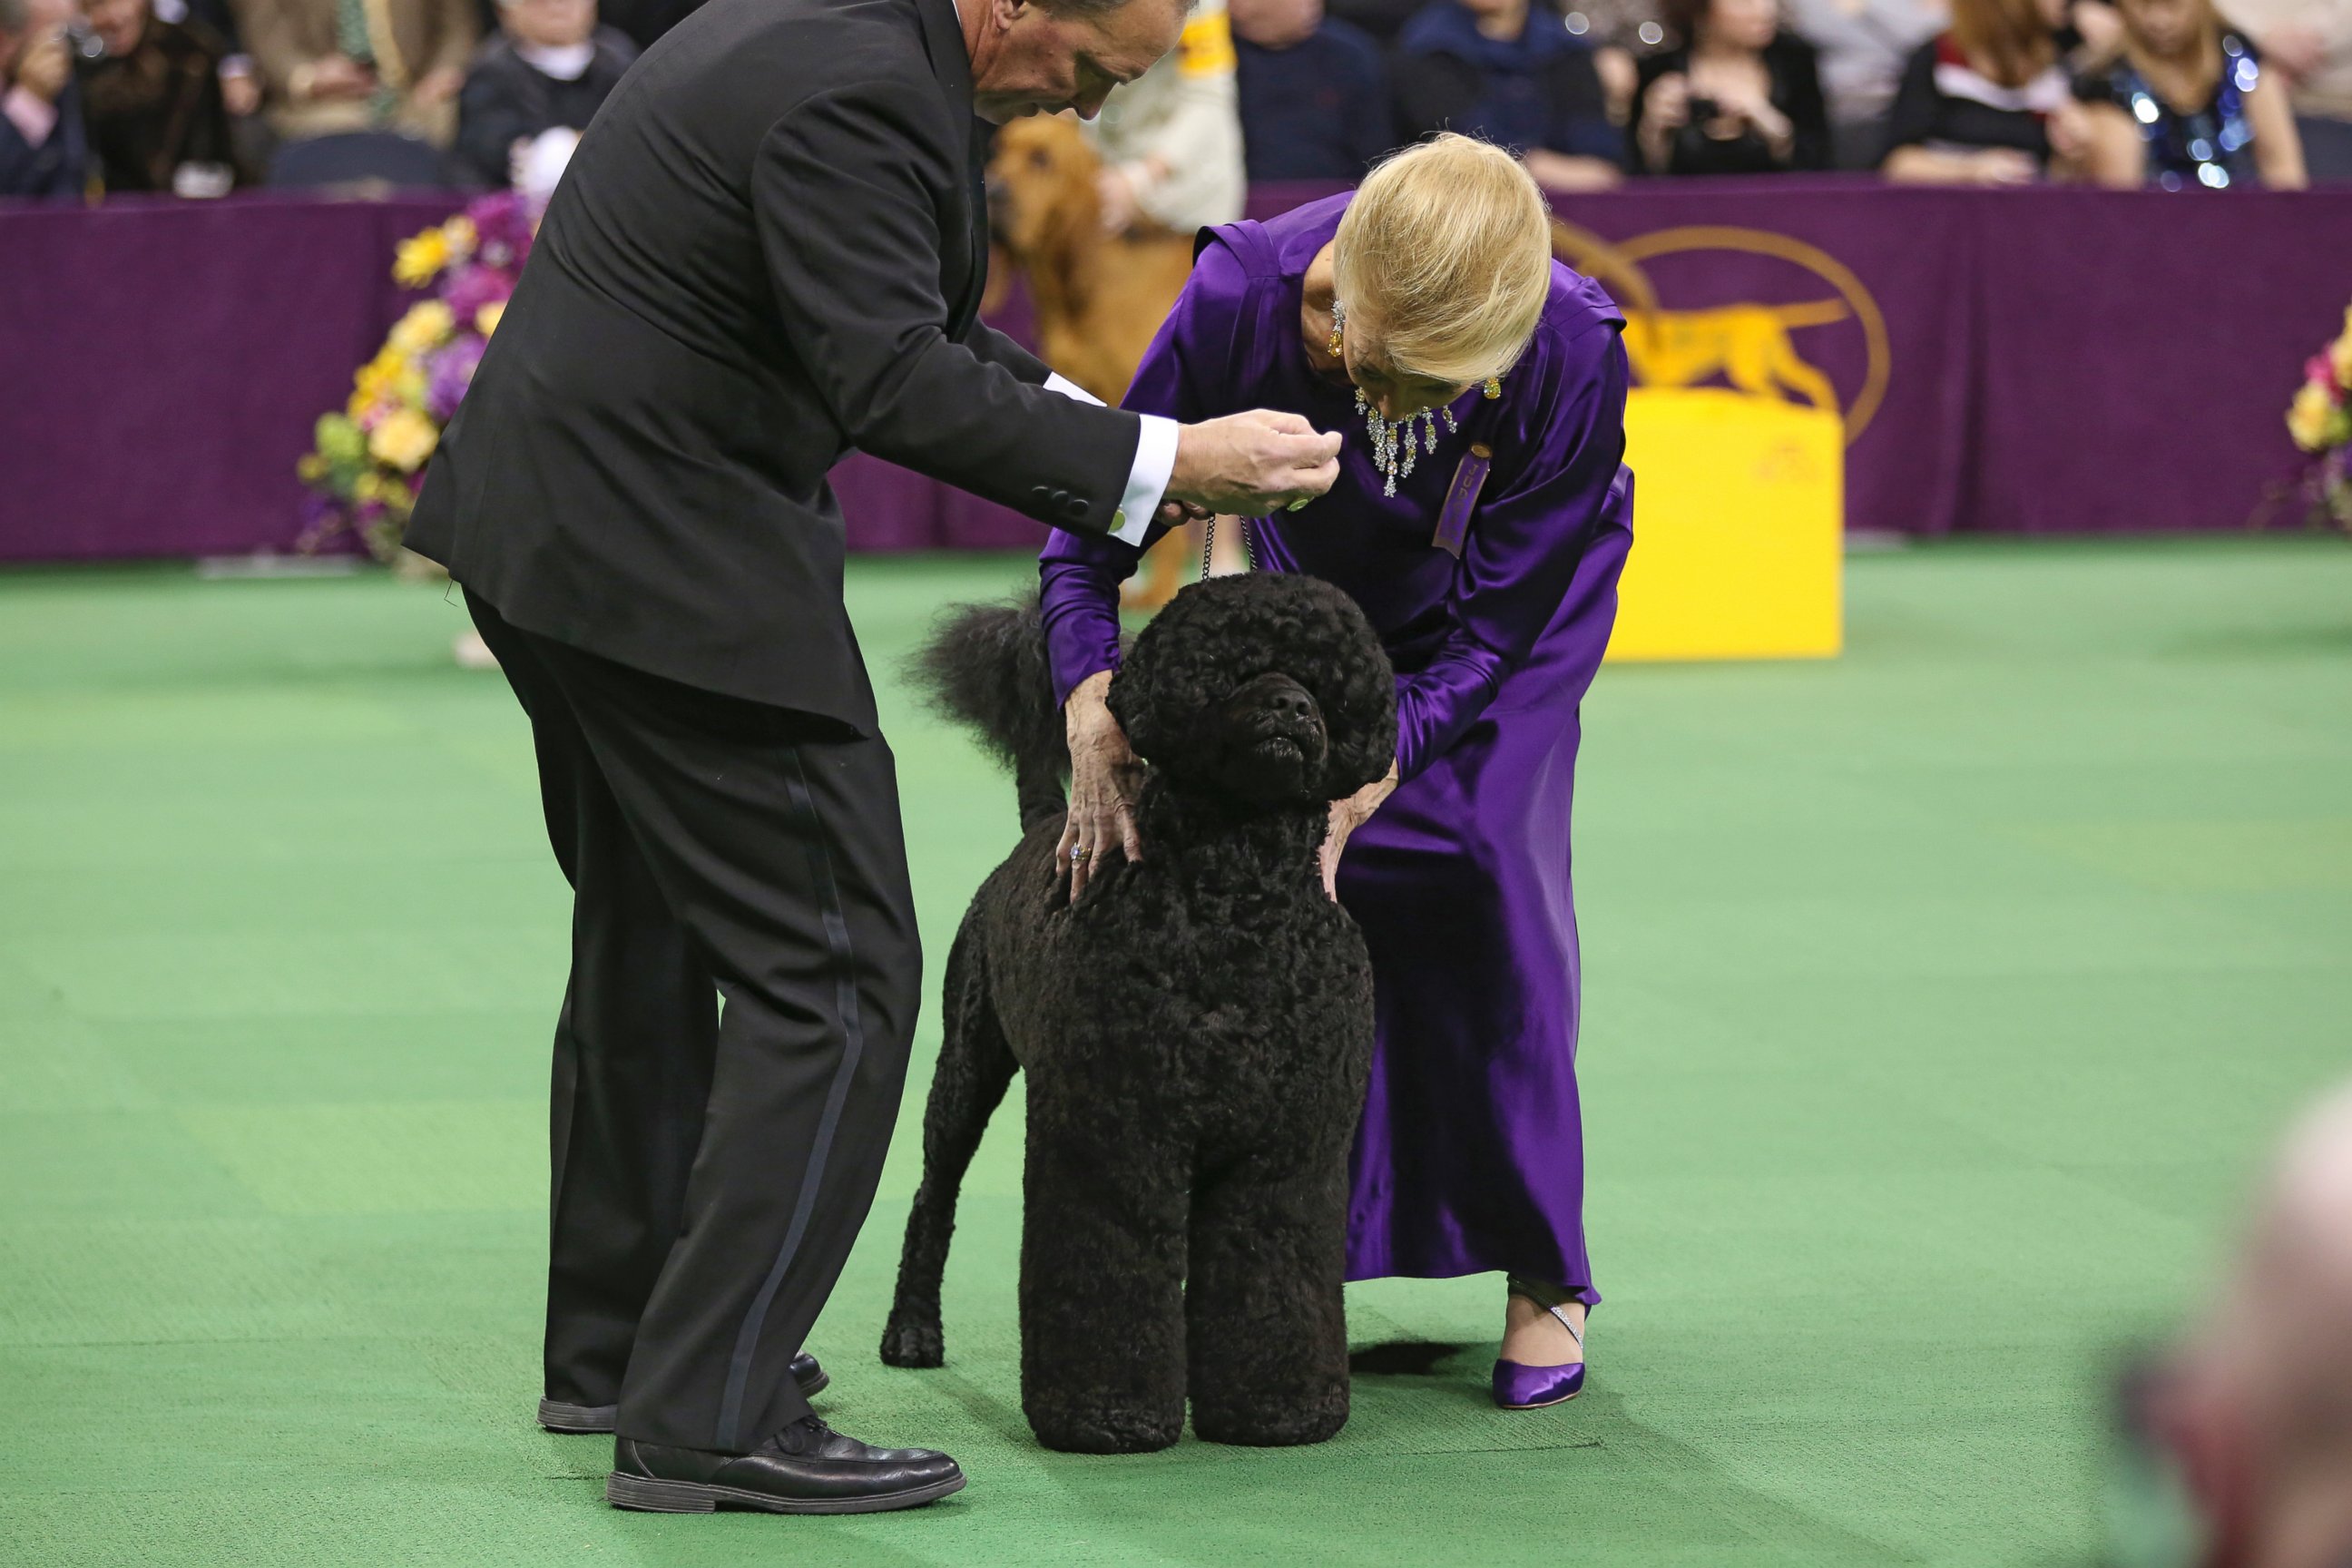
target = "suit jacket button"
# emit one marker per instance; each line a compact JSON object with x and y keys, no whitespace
{"x":1042,"y":493}
{"x":1075,"y":507}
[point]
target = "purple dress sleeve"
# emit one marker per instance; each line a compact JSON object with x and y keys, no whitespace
{"x":1523,"y":548}
{"x":1180,"y":377}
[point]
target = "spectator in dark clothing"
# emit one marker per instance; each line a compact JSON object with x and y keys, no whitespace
{"x":549,"y":69}
{"x":44,"y":155}
{"x":1990,"y":102}
{"x":1511,"y":73}
{"x":1313,"y":96}
{"x":153,"y":103}
{"x":1739,"y":96}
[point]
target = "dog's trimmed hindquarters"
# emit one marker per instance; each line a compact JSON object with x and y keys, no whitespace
{"x":1195,"y":1031}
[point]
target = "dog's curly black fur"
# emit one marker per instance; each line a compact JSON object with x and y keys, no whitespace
{"x":1196,"y":1029}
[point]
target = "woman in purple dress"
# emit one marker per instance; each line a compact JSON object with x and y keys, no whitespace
{"x":1481,"y":521}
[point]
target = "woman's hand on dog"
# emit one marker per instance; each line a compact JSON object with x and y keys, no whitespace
{"x":1347,"y":815}
{"x":1104,"y":776}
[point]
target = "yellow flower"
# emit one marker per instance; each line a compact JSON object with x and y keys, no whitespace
{"x":487,"y":318}
{"x":427,"y":325}
{"x":418,"y":259}
{"x":405,"y":440}
{"x":459,"y":236}
{"x":2317,"y":420}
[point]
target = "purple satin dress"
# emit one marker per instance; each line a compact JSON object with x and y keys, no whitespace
{"x":1471,"y":1154}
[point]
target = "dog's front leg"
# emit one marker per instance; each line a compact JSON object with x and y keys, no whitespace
{"x":1102,"y":1283}
{"x":1266,"y":1323}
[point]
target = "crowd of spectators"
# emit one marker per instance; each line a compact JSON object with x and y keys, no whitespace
{"x":192,"y":96}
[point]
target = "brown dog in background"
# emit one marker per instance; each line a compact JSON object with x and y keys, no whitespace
{"x":1099,"y":297}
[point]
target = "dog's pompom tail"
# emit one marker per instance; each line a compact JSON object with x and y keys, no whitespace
{"x":984,"y":666}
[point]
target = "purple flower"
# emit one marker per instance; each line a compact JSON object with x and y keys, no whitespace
{"x":448,"y":373}
{"x":468,"y":289}
{"x":504,"y":221}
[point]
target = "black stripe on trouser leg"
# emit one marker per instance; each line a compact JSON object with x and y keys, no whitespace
{"x":845,"y":961}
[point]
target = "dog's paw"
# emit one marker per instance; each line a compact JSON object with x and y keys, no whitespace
{"x":1313,"y":1420}
{"x":1107,"y":1431}
{"x":913,"y":1340}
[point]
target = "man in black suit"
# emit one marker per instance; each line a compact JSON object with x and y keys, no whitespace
{"x":769,"y":249}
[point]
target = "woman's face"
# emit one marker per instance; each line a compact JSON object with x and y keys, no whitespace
{"x":1742,"y":24}
{"x":1397,"y":394}
{"x":2163,"y":26}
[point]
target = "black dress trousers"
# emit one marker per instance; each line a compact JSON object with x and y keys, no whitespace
{"x":711,"y":1166}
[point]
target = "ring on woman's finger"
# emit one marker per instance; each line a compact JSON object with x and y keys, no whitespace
{"x":1081,"y":854}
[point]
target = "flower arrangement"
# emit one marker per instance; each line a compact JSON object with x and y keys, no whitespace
{"x":2322,"y":426}
{"x":368,"y":461}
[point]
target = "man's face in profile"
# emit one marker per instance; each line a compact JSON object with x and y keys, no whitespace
{"x":1030,"y":60}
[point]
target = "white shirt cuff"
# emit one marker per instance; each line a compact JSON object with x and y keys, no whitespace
{"x":1147,"y":480}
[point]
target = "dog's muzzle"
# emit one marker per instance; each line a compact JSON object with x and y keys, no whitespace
{"x":1274,"y":742}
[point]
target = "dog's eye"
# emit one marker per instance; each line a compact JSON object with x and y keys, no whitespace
{"x":1040,"y":159}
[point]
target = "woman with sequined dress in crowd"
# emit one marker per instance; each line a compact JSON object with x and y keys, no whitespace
{"x":1481,"y":516}
{"x":2186,"y":105}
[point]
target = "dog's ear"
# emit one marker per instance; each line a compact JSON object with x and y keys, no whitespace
{"x":1071,"y":216}
{"x":1345,"y":666}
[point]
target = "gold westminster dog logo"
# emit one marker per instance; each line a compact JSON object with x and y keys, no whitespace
{"x":1752,"y":346}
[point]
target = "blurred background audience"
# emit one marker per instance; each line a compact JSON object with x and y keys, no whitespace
{"x":1314,"y":92}
{"x":190,"y":98}
{"x":44,"y":152}
{"x":1864,"y":48}
{"x":1988,"y":102}
{"x":2186,"y":103}
{"x":153,"y":102}
{"x":2307,"y":45}
{"x":1509,"y":71}
{"x":1740,"y":94}
{"x":531,"y":89}
{"x":361,"y":66}
{"x":1171,"y":140}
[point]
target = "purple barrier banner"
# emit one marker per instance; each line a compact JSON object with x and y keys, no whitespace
{"x":2034,"y":361}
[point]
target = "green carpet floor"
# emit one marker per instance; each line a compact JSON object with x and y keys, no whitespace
{"x":1942,"y":1000}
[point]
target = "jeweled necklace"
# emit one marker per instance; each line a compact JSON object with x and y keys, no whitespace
{"x":1397,"y":444}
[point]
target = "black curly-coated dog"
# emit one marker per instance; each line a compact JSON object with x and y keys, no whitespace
{"x":1196,"y":1029}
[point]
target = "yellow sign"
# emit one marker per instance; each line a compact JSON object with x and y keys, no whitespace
{"x":1738,"y":493}
{"x":1748,"y":344}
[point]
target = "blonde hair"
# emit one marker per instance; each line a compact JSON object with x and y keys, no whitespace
{"x":1445,"y":260}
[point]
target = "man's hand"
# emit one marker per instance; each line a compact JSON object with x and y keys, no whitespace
{"x":44,"y":67}
{"x":331,"y":77}
{"x":1251,"y":464}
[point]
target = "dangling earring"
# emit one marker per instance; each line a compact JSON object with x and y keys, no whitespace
{"x":1338,"y":325}
{"x":1494,"y":387}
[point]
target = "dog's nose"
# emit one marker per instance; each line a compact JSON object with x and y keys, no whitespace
{"x":1292,"y":702}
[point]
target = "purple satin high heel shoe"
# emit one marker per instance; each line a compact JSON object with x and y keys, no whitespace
{"x":1520,"y":1387}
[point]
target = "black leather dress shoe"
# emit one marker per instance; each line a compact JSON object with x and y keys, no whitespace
{"x":808,"y":1468}
{"x":596,"y":1420}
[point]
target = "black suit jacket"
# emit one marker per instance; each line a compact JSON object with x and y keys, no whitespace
{"x":768,"y":249}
